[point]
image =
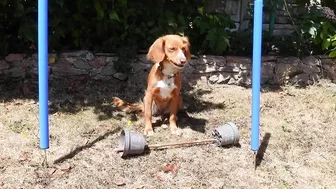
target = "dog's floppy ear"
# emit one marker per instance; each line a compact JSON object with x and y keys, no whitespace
{"x":156,"y":52}
{"x":187,"y":47}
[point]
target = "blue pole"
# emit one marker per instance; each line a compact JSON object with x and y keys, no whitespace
{"x":256,"y":67}
{"x":43,"y":72}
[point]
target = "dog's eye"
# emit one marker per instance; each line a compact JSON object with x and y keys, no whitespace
{"x":171,"y":48}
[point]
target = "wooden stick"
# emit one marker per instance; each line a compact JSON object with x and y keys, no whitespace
{"x":172,"y":145}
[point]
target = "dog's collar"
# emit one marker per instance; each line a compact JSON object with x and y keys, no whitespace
{"x":169,"y":76}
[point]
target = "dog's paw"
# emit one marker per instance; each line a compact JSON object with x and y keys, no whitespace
{"x":164,"y":126}
{"x":149,"y":132}
{"x":176,"y":131}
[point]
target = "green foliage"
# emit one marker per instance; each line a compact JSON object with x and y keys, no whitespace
{"x":317,"y":33}
{"x":121,"y":26}
{"x":322,"y":34}
{"x":215,"y":28}
{"x":18,"y":27}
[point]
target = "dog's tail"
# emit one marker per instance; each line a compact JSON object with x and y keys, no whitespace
{"x":127,"y":107}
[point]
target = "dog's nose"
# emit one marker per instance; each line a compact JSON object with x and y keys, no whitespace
{"x":183,"y":61}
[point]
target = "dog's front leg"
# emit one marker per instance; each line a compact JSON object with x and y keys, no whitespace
{"x":174,"y":105}
{"x":148,"y":100}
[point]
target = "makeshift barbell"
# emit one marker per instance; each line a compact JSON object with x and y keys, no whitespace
{"x":133,"y":143}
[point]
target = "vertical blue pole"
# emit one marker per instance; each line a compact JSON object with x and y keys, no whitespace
{"x":43,"y":72}
{"x":256,"y":67}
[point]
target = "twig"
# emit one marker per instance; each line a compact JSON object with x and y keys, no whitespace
{"x":172,"y":145}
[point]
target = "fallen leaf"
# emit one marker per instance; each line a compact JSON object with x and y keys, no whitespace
{"x":52,"y":59}
{"x":129,"y":123}
{"x":170,"y":168}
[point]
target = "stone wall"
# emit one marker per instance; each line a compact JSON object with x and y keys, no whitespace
{"x":218,"y":69}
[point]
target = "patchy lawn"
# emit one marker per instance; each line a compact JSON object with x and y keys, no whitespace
{"x":297,"y":135}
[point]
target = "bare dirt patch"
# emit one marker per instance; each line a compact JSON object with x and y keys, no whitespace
{"x":297,"y":135}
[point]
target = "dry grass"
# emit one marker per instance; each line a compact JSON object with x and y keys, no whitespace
{"x":298,"y":150}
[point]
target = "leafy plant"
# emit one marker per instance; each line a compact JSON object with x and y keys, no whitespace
{"x":320,"y":31}
{"x":120,"y":26}
{"x":215,"y":27}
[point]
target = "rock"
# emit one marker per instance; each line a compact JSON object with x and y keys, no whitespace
{"x":15,"y":72}
{"x":311,"y":60}
{"x":329,"y":61}
{"x":214,"y":60}
{"x":212,"y":79}
{"x":102,"y":77}
{"x":268,"y":68}
{"x":14,"y":57}
{"x":98,"y":62}
{"x":267,"y":72}
{"x":24,"y":63}
{"x":244,"y":73}
{"x":244,"y":82}
{"x":75,"y":53}
{"x":95,"y":71}
{"x":330,"y":71}
{"x":203,"y":79}
{"x":34,"y":71}
{"x":69,"y":71}
{"x":285,"y":70}
{"x":223,"y":78}
{"x":105,"y":54}
{"x":34,"y":56}
{"x":112,"y":59}
{"x":310,"y":69}
{"x":71,"y":59}
{"x":229,"y":68}
{"x":89,"y":56}
{"x":3,"y":65}
{"x":141,"y":67}
{"x":120,"y":76}
{"x":108,"y":69}
{"x":209,"y":69}
{"x":245,"y":66}
{"x":232,"y":81}
{"x":80,"y":64}
{"x":238,"y":59}
{"x":289,"y":60}
{"x":268,"y":59}
{"x":301,"y":80}
{"x":143,"y":59}
{"x":314,"y":77}
{"x":193,"y":56}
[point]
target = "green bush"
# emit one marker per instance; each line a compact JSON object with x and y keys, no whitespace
{"x":315,"y":32}
{"x":121,"y":26}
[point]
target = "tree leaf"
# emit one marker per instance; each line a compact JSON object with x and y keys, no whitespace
{"x":114,"y":16}
{"x":326,"y":43}
{"x":332,"y":54}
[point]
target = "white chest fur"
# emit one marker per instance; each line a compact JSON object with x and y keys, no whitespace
{"x":166,"y":86}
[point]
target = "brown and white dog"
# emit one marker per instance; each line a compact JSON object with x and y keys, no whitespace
{"x":169,"y":54}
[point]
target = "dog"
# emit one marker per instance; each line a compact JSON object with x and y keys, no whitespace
{"x":169,"y":54}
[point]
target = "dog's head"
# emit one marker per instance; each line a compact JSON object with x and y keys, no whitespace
{"x":172,"y":48}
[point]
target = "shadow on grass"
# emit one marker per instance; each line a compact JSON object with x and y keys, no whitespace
{"x":262,"y":149}
{"x":88,"y":145}
{"x":72,"y":95}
